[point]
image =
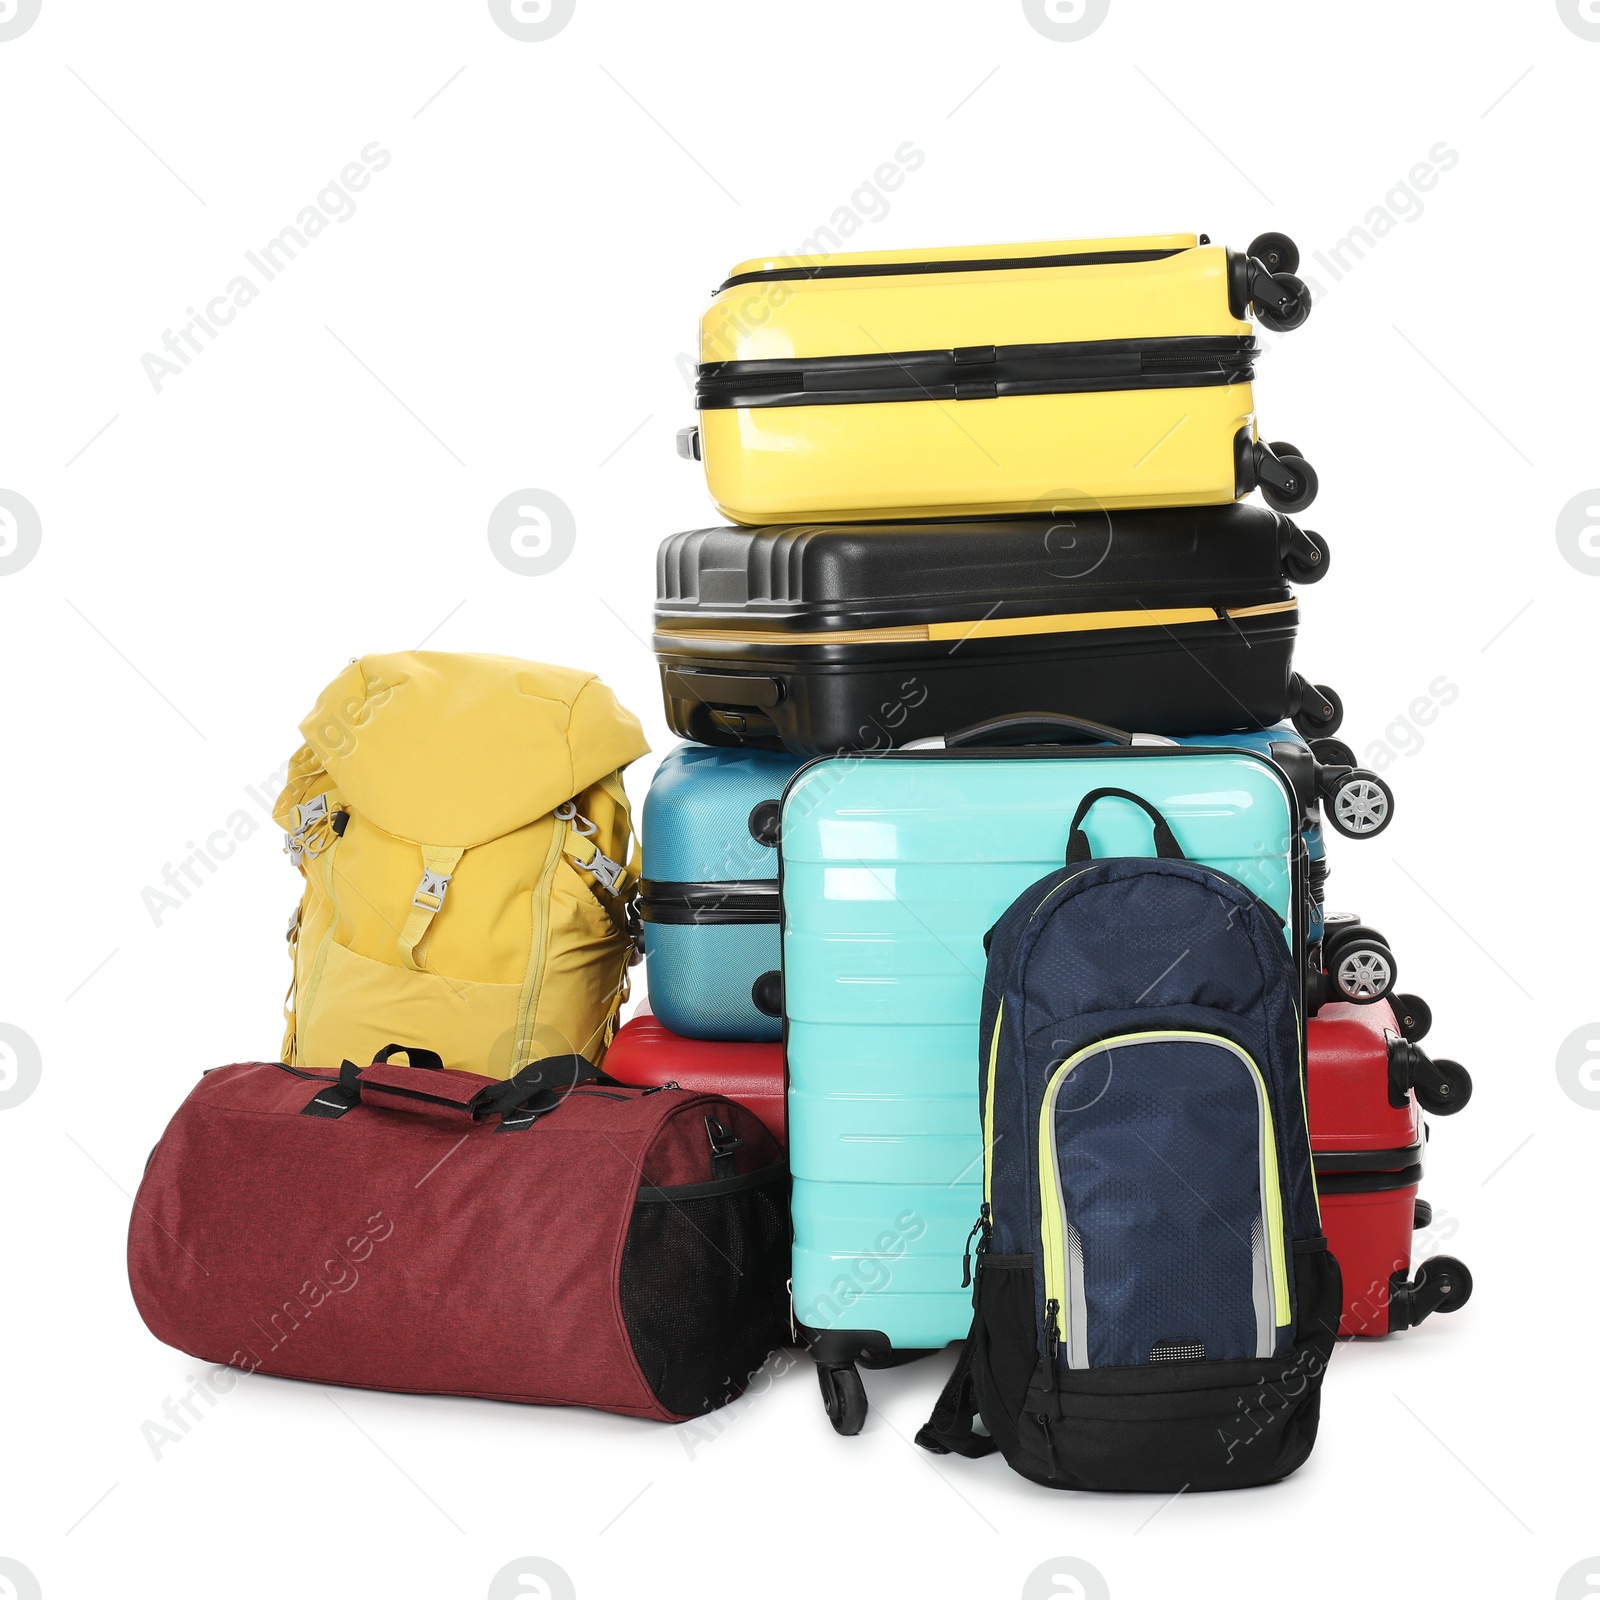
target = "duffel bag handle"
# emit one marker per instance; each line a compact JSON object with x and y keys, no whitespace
{"x":1035,"y":727}
{"x":454,"y":1096}
{"x":416,"y":1056}
{"x":430,"y":1091}
{"x":1078,"y":841}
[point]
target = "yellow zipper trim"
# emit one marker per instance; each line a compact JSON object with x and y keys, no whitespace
{"x":988,"y":1104}
{"x":1053,"y":1241}
{"x":984,"y":628}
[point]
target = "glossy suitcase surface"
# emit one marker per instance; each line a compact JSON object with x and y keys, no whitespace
{"x":709,"y":896}
{"x":894,"y":867}
{"x":1368,"y":1141}
{"x":987,"y":380}
{"x":821,"y":639}
{"x":649,"y":1054}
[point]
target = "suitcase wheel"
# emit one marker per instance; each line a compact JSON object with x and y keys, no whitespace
{"x":1333,"y":753}
{"x":845,"y":1398}
{"x":1290,"y":311}
{"x":1361,"y":804}
{"x":1421,"y":1214}
{"x":1277,"y":252}
{"x":1307,"y":565}
{"x":1363,"y":970}
{"x":1320,"y":712}
{"x":1414,"y":1015}
{"x":1443,"y":1087}
{"x":1442,"y":1284}
{"x":1297,"y":482}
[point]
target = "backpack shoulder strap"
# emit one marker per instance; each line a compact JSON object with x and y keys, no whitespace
{"x":950,"y":1428}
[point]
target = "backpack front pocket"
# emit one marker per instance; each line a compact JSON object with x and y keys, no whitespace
{"x":1161,"y":1218}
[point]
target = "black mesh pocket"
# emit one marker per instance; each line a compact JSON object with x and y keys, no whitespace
{"x":705,"y":1286}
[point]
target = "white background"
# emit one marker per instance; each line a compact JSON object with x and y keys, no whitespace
{"x":505,"y":310}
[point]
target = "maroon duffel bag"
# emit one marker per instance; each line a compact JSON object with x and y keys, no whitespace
{"x":438,"y":1232}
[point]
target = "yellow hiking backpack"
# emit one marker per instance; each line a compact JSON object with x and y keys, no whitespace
{"x":469,"y":864}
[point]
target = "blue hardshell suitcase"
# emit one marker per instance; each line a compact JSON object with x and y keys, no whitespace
{"x":709,"y":896}
{"x":894,"y":866}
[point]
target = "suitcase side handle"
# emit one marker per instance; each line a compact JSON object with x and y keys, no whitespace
{"x":722,"y":688}
{"x":1036,"y":727}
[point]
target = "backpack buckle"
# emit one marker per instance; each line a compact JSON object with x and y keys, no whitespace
{"x":605,"y":870}
{"x":430,"y":892}
{"x":308,"y":814}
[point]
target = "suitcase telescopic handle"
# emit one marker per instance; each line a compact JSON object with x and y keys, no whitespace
{"x":1078,"y":848}
{"x":1035,"y":727}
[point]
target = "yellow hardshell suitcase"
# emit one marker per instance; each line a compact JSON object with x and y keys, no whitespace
{"x":988,"y":380}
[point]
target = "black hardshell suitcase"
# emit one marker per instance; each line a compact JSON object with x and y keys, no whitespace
{"x":822,"y":638}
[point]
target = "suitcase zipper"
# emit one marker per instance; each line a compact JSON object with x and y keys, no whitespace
{"x":993,"y":627}
{"x":735,"y":902}
{"x":979,"y":372}
{"x":896,"y":269}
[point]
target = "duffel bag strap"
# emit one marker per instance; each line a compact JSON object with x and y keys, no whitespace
{"x":950,"y":1428}
{"x":538,"y":1087}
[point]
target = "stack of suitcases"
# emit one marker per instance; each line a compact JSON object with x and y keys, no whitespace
{"x":989,"y":550}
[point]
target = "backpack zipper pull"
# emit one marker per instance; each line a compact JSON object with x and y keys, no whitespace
{"x":980,"y":1226}
{"x":1049,"y":1441}
{"x":1052,"y":1341}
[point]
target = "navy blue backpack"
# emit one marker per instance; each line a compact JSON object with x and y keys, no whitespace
{"x":1154,"y":1303}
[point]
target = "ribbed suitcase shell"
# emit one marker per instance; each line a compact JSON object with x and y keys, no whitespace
{"x":821,"y":639}
{"x":893,"y":868}
{"x":705,"y":870}
{"x":1262,"y":741}
{"x":964,"y":441}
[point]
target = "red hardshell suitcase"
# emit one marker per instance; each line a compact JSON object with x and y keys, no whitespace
{"x":750,"y":1075}
{"x":1366,"y":1080}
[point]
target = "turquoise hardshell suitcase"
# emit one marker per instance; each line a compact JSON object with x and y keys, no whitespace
{"x":893,"y":867}
{"x":1300,"y":767}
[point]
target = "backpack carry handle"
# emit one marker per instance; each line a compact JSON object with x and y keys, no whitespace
{"x":1078,"y":841}
{"x":1035,"y":727}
